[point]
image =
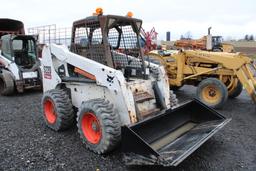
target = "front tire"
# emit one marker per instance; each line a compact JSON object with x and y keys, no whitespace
{"x":212,"y":92}
{"x":99,"y":125}
{"x":58,"y":111}
{"x":7,"y":86}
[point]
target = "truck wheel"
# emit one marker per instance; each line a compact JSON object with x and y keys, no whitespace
{"x":58,"y":111}
{"x":236,"y":91}
{"x":6,"y":83}
{"x":212,"y":92}
{"x":98,"y":125}
{"x":173,"y":100}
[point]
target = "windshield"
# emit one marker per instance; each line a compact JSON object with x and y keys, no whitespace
{"x":217,"y":40}
{"x":24,"y":52}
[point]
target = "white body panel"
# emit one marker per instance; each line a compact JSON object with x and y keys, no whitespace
{"x":209,"y":42}
{"x":117,"y":90}
{"x":11,"y":66}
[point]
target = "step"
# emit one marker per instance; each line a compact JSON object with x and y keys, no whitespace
{"x":149,"y":112}
{"x":142,"y":96}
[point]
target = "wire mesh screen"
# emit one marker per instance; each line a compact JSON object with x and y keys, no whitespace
{"x":89,"y":43}
{"x":124,"y":47}
{"x":81,"y":37}
{"x":122,"y":42}
{"x":51,"y":34}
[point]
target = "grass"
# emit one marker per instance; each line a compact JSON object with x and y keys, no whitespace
{"x":253,"y":56}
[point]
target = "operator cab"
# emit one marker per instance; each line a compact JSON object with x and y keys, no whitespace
{"x":110,"y":40}
{"x":217,"y":42}
{"x":20,"y":49}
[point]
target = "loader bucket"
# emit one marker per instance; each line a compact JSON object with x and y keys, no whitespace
{"x":169,"y":138}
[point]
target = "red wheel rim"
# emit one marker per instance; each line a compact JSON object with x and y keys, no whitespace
{"x":91,"y":128}
{"x":49,"y":111}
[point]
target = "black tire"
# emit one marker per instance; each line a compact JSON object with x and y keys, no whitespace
{"x":108,"y":125}
{"x":175,"y":88}
{"x":173,"y":100}
{"x":237,"y":91}
{"x":217,"y":94}
{"x":6,"y":83}
{"x":217,"y":50}
{"x":57,"y":104}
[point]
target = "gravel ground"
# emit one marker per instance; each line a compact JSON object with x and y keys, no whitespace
{"x":27,"y":144}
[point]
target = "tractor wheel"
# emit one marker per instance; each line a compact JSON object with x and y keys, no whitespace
{"x":236,"y":91}
{"x":99,"y":125}
{"x":6,"y":83}
{"x":173,"y":100}
{"x":212,"y":92}
{"x":175,"y":88}
{"x":58,"y":110}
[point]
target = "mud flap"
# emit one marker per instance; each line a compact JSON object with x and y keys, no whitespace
{"x":169,"y":138}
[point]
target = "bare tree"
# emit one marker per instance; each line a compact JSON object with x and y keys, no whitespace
{"x":251,"y":38}
{"x":188,"y":35}
{"x":246,"y":37}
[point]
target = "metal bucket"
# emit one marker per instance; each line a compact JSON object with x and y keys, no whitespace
{"x":168,"y":138}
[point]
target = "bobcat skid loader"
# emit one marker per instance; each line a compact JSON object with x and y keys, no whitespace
{"x":116,"y":96}
{"x":19,"y":64}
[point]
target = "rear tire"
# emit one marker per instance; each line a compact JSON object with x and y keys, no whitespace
{"x":99,"y":126}
{"x":212,"y":92}
{"x":175,"y":88}
{"x":6,"y":83}
{"x":58,"y":111}
{"x":236,"y":91}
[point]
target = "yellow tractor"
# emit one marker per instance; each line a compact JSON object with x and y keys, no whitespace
{"x":217,"y":75}
{"x":208,"y":43}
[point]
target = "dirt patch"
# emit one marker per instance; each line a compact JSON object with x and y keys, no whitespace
{"x":250,"y":51}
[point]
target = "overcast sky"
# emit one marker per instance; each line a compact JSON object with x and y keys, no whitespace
{"x":233,"y":18}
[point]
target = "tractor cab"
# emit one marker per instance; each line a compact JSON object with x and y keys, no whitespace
{"x":110,"y":40}
{"x":217,"y":42}
{"x":20,"y":49}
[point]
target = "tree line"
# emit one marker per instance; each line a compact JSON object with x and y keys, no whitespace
{"x":249,"y":37}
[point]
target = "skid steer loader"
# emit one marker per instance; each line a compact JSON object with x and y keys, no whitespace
{"x":217,"y":75}
{"x":116,"y":96}
{"x":19,"y":65}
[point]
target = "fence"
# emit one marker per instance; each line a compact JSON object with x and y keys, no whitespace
{"x":51,"y":34}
